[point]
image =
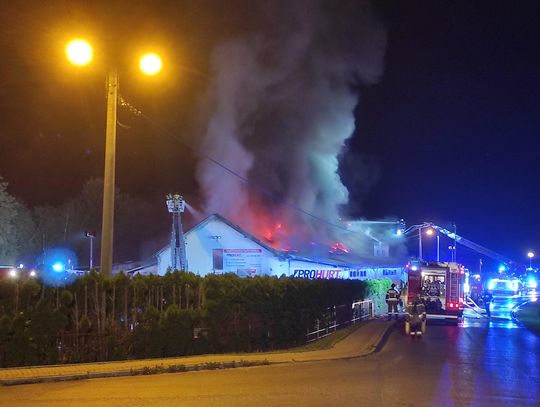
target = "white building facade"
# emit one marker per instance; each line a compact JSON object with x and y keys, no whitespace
{"x":217,"y":246}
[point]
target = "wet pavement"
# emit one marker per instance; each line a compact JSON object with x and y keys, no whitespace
{"x":500,"y":310}
{"x":484,"y":362}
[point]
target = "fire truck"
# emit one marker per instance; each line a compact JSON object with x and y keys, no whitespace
{"x":441,"y":287}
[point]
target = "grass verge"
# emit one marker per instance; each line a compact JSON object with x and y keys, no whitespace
{"x":328,"y":341}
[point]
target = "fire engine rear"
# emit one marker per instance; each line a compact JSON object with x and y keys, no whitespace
{"x":441,"y":287}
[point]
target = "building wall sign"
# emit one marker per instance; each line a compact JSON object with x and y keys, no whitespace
{"x":244,"y":262}
{"x":318,"y":274}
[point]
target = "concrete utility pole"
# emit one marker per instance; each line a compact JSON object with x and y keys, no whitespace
{"x":438,"y":248}
{"x":420,"y":244}
{"x":80,"y":53}
{"x":108,"y":179}
{"x":455,"y":245}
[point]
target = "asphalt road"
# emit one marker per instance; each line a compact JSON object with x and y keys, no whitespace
{"x":479,"y":363}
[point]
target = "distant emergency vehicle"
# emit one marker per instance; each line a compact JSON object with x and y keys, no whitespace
{"x":12,"y":272}
{"x":441,"y":287}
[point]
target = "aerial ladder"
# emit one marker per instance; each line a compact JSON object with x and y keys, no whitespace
{"x":456,"y":238}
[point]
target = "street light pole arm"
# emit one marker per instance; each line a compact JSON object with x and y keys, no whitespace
{"x":414,"y":228}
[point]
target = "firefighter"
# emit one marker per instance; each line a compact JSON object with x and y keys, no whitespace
{"x":487,"y":297}
{"x":392,"y":300}
{"x":416,"y":317}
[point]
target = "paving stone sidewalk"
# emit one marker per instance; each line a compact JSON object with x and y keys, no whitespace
{"x":361,"y":342}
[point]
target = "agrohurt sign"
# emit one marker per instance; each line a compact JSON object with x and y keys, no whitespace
{"x":318,"y":274}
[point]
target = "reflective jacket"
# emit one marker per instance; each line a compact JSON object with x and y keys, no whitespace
{"x":392,"y":295}
{"x":416,"y":312}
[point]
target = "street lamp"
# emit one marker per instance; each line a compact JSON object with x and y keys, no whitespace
{"x":420,"y":228}
{"x":430,"y":232}
{"x":79,"y":52}
{"x":91,"y":236}
{"x":150,"y":64}
{"x":530,"y":255}
{"x":452,"y":251}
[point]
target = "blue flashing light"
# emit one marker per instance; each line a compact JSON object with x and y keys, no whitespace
{"x":58,"y":267}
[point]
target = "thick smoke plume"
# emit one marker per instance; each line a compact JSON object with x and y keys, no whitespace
{"x":279,"y":111}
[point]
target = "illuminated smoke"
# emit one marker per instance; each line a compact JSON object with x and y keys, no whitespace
{"x":280,"y":109}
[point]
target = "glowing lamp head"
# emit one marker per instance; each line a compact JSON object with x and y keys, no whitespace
{"x":530,"y":255}
{"x":502,"y":269}
{"x":79,"y":52}
{"x":13,"y":273}
{"x":58,"y":267}
{"x":150,"y":64}
{"x":430,"y":232}
{"x":33,"y":273}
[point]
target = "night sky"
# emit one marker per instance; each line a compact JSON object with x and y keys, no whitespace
{"x":454,"y":122}
{"x":448,"y":134}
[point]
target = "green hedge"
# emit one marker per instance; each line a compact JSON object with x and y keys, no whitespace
{"x":94,"y":318}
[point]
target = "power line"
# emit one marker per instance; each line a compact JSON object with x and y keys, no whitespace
{"x":250,"y":184}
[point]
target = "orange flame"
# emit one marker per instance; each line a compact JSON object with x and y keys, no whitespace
{"x":339,"y":248}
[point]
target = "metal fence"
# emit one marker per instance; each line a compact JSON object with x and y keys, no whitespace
{"x":340,"y":316}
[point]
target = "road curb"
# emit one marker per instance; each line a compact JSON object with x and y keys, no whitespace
{"x":144,"y":371}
